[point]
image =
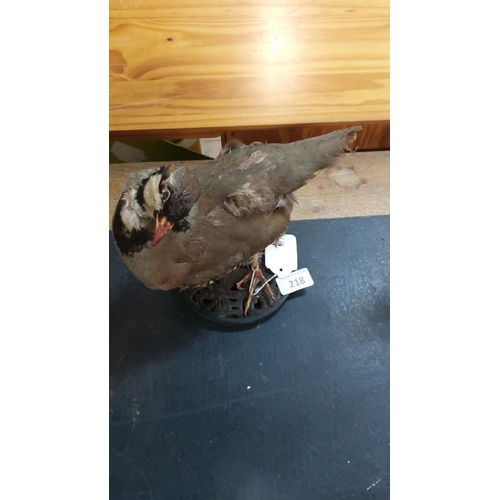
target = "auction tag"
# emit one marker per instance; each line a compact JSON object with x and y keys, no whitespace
{"x":295,"y":281}
{"x":281,"y":258}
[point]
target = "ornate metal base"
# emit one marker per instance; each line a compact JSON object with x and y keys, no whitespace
{"x":224,"y":304}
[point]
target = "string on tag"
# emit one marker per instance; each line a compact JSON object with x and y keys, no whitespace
{"x":257,"y":291}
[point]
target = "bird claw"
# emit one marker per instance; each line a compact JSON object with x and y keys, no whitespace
{"x":255,"y":276}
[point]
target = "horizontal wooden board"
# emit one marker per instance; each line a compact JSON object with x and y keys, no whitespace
{"x":358,"y":185}
{"x":218,"y":63}
{"x":374,"y":136}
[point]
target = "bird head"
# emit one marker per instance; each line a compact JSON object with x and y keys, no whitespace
{"x":159,"y":203}
{"x":153,"y":197}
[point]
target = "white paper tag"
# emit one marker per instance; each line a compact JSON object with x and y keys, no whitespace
{"x":295,"y":281}
{"x":282,"y":257}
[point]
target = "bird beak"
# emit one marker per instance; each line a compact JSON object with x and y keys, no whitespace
{"x":162,"y":229}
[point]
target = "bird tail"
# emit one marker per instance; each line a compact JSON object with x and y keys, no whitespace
{"x":322,"y":151}
{"x":299,"y":161}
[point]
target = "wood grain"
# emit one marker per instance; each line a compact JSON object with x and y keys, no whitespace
{"x":178,"y":66}
{"x":357,"y":186}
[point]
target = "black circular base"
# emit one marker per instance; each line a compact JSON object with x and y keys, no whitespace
{"x":222,"y":302}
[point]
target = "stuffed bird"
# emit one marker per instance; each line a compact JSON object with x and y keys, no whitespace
{"x":188,"y":226}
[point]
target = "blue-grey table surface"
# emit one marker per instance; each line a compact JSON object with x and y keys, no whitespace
{"x":295,"y":408}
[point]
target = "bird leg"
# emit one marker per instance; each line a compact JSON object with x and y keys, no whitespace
{"x":254,"y":275}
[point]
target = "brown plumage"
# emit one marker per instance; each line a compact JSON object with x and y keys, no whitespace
{"x":211,"y":218}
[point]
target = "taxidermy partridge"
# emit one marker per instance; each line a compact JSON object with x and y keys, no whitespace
{"x":187,"y":226}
